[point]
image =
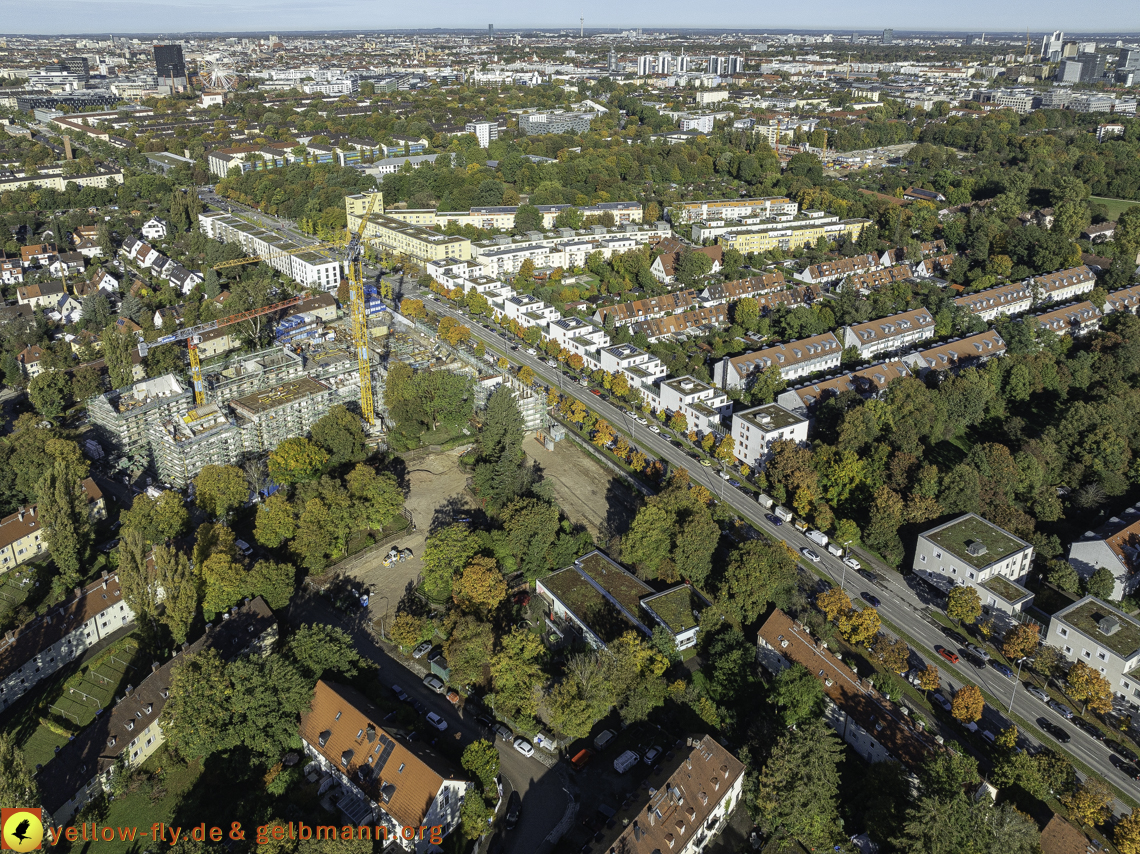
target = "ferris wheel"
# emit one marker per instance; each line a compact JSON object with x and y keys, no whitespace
{"x":220,"y":75}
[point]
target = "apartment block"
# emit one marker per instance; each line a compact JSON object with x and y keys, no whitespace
{"x":735,"y":209}
{"x":795,"y":359}
{"x":310,"y":269}
{"x":383,"y":780}
{"x":970,"y":550}
{"x":556,"y":121}
{"x":889,"y":333}
{"x":793,"y":237}
{"x":714,"y":228}
{"x":415,"y":241}
{"x":120,"y":417}
{"x":754,"y":430}
{"x":21,"y":539}
{"x":1104,"y":638}
{"x":39,"y":648}
{"x":181,"y":446}
{"x":579,"y":336}
{"x":968,"y":352}
{"x":705,"y":406}
{"x":129,"y":732}
{"x":272,"y":415}
{"x":640,"y":368}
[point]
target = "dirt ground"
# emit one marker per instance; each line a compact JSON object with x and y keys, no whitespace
{"x":587,"y":493}
{"x":585,"y":490}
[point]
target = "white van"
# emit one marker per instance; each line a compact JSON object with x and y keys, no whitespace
{"x":626,"y":761}
{"x":835,"y":550}
{"x":817,"y":537}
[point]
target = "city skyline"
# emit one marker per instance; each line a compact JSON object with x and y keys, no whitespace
{"x":76,"y":17}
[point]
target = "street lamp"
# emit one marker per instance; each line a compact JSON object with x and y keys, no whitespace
{"x":1013,"y":691}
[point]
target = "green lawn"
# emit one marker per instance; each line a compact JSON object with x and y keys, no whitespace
{"x":1115,"y":206}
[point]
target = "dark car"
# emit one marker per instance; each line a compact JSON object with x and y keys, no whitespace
{"x":484,"y":723}
{"x":954,"y":636}
{"x":1091,"y":729}
{"x":871,"y":599}
{"x":774,"y":519}
{"x":1120,"y":750}
{"x":1001,"y":668}
{"x":1125,"y":767}
{"x":1054,"y":730}
{"x":870,"y":576}
{"x":514,"y":809}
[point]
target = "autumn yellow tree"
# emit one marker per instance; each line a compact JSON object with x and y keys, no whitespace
{"x":413,"y":308}
{"x":892,"y":653}
{"x":553,"y":398}
{"x":860,"y":626}
{"x":576,"y":411}
{"x":1007,"y":738}
{"x":968,"y":704}
{"x":621,"y":449}
{"x":637,"y":461}
{"x":834,"y":603}
{"x":407,"y":629}
{"x":502,"y":364}
{"x":480,"y":587}
{"x":679,"y":422}
{"x":928,"y":679}
{"x":1021,"y":641}
{"x":1090,"y":803}
{"x":1127,"y":834}
{"x":707,"y":442}
{"x":964,"y":604}
{"x":1087,"y":686}
{"x":603,"y":433}
{"x":724,"y":451}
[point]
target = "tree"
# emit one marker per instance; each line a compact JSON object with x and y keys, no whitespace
{"x":1088,"y":686}
{"x":893,"y":653}
{"x":928,"y":679}
{"x":526,"y":375}
{"x":340,"y":434}
{"x":1021,"y":641}
{"x":136,"y":574}
{"x":967,"y":704}
{"x":316,"y":538}
{"x":860,"y":626}
{"x":798,"y":788}
{"x":224,"y":582}
{"x":724,"y":451}
{"x":272,"y":581}
{"x":407,"y":629}
{"x":48,"y":393}
{"x":475,"y":817}
{"x":759,"y":572}
{"x":481,"y":758}
{"x":220,"y":489}
{"x":211,"y":287}
{"x":964,"y":604}
{"x":319,"y":649}
{"x":196,"y":719}
{"x":500,"y":470}
{"x":117,"y":346}
{"x":1046,"y":662}
{"x":469,"y":648}
{"x":834,"y":602}
{"x":445,"y":552}
{"x":480,"y":587}
{"x":179,"y":585}
{"x":678,"y":422}
{"x":527,"y":218}
{"x":1062,"y":575}
{"x":1126,"y":835}
{"x":1100,"y":584}
{"x":64,"y":518}
{"x":1007,"y":738}
{"x":1091,"y":802}
{"x":17,"y":783}
{"x":378,"y":497}
{"x":800,"y":695}
{"x":516,"y":675}
{"x":297,"y":460}
{"x":276,"y":521}
{"x":413,"y":309}
{"x":157,"y":519}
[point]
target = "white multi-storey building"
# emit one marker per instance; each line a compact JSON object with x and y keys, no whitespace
{"x":754,"y":430}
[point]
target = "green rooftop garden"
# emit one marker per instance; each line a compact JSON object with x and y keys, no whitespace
{"x":956,"y":537}
{"x":1005,"y":588}
{"x":1085,"y":618}
{"x":675,"y":608}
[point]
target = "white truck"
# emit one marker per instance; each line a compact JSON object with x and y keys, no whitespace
{"x":765,"y":501}
{"x":783,"y":513}
{"x":626,"y":761}
{"x":817,"y":537}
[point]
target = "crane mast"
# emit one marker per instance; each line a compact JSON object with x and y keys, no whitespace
{"x":355,"y":270}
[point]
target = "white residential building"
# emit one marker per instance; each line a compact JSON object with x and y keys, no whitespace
{"x":754,"y":430}
{"x":529,"y":311}
{"x":1104,"y":638}
{"x":1115,"y":546}
{"x":154,"y":229}
{"x":795,"y":359}
{"x":485,"y":132}
{"x":889,"y":333}
{"x":704,"y":406}
{"x":640,"y":368}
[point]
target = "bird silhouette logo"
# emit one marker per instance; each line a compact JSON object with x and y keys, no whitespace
{"x":22,"y":829}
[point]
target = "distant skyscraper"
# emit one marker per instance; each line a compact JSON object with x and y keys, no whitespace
{"x":645,"y":65}
{"x":1052,"y":46}
{"x":76,"y":65}
{"x":613,"y":63}
{"x":888,"y":36}
{"x":169,"y":65}
{"x":490,"y":31}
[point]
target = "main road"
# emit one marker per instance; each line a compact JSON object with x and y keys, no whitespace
{"x":901,"y":606}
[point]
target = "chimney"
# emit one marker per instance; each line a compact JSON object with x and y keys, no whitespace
{"x":153,"y":666}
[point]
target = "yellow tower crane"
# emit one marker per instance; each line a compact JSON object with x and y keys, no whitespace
{"x":354,"y":266}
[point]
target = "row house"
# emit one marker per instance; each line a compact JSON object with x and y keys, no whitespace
{"x":866,"y":382}
{"x":722,"y":292}
{"x":874,"y":727}
{"x":646,"y":309}
{"x":39,"y":648}
{"x":933,"y":247}
{"x":20,"y":535}
{"x":755,"y":430}
{"x":1075,"y":319}
{"x":129,"y":732}
{"x":889,"y":333}
{"x":795,"y":359}
{"x":35,"y":255}
{"x":827,"y":272}
{"x":1125,"y":299}
{"x":937,"y":265}
{"x":957,"y":354}
{"x":1014,"y":298}
{"x":875,"y":279}
{"x":683,"y":323}
{"x":1063,"y":284}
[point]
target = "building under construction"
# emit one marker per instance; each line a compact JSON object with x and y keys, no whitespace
{"x":254,"y":402}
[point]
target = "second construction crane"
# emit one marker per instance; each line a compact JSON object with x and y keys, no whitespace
{"x":354,"y":267}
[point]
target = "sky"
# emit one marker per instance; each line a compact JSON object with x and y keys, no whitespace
{"x":174,"y":16}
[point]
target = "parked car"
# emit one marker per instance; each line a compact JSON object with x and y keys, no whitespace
{"x":652,"y":754}
{"x":400,"y":693}
{"x":1061,"y":709}
{"x":954,"y":636}
{"x":602,"y":740}
{"x":1120,"y":750}
{"x":978,"y":651}
{"x":654,"y":428}
{"x":809,"y":554}
{"x":1090,"y":728}
{"x":485,"y":724}
{"x":421,"y":650}
{"x":504,"y":732}
{"x":581,"y":759}
{"x":626,"y":761}
{"x":524,"y":747}
{"x":1002,"y":669}
{"x":436,"y":721}
{"x":1038,"y":693}
{"x":870,"y":576}
{"x":871,"y":599}
{"x":434,"y":683}
{"x":851,"y":562}
{"x":1054,"y":730}
{"x":774,"y":519}
{"x":941,"y":700}
{"x":514,"y":810}
{"x":949,"y":655}
{"x":453,"y":697}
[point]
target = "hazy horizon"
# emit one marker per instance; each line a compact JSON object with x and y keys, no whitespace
{"x":220,"y":17}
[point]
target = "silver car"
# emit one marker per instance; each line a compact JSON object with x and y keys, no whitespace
{"x":1038,"y":693}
